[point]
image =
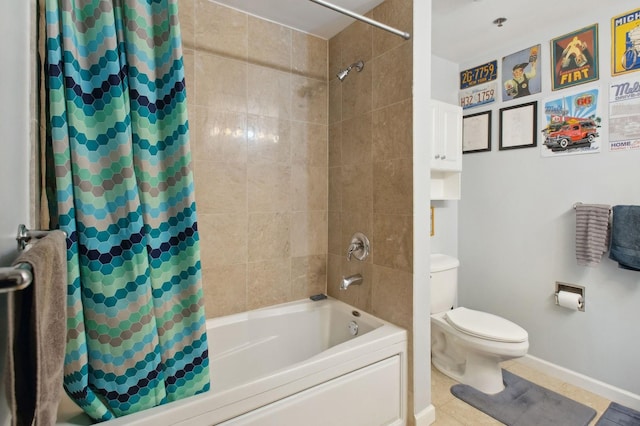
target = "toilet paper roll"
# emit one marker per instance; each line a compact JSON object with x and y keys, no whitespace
{"x":569,"y":300}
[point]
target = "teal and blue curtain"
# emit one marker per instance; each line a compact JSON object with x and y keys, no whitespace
{"x":118,"y":134}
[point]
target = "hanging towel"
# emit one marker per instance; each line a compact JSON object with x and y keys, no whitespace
{"x":592,"y":233}
{"x":625,"y":237}
{"x":37,"y":333}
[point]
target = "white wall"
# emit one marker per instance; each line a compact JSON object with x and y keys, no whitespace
{"x":14,"y":128}
{"x":517,"y":230}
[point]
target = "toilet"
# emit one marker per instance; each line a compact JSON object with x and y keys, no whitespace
{"x":469,"y":345}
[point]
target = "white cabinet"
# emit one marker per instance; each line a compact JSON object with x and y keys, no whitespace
{"x":446,"y":150}
{"x":446,"y":136}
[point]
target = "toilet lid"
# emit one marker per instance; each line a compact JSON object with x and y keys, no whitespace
{"x":485,"y":326}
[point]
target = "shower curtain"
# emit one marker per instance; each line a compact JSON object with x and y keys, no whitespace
{"x":118,"y":134}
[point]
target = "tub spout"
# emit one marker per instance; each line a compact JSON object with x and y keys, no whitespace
{"x":351,"y":279}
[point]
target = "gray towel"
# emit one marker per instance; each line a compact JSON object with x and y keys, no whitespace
{"x":592,"y":233}
{"x":625,"y":237}
{"x":37,"y":333}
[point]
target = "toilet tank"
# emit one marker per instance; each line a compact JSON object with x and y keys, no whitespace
{"x":444,"y":282}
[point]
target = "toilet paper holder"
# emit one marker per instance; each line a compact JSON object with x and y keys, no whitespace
{"x":571,"y":288}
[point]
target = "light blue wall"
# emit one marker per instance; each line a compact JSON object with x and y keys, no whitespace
{"x":517,"y":230}
{"x":14,"y":162}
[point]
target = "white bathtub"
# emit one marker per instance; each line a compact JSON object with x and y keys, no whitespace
{"x":291,"y":364}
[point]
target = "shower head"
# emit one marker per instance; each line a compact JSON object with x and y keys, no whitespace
{"x":343,"y":73}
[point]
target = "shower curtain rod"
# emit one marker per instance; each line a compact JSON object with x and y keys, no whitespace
{"x":369,"y":21}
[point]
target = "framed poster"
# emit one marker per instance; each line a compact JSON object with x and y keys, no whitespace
{"x":518,"y":125}
{"x":520,"y":75}
{"x":574,"y":58}
{"x":625,"y":43}
{"x":476,"y":132}
{"x":572,"y":123}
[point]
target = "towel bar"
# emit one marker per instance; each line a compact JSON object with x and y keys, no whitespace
{"x":25,"y":235}
{"x":15,"y":277}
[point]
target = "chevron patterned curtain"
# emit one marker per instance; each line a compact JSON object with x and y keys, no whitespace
{"x":124,"y":186}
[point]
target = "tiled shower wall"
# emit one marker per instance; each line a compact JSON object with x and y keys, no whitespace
{"x":257,"y":94}
{"x":288,"y":166}
{"x":371,"y":167}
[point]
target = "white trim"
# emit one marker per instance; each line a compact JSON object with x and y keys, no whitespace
{"x":605,"y":390}
{"x":426,"y":416}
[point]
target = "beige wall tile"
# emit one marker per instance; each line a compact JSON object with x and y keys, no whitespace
{"x":335,"y":189}
{"x":189,"y":60}
{"x":392,"y":289}
{"x":223,"y":239}
{"x":269,"y":187}
{"x":357,"y":187}
{"x":186,"y":15}
{"x":309,"y":99}
{"x":268,"y":236}
{"x":310,"y":144}
{"x":221,"y":83}
{"x":309,"y":56}
{"x":309,"y":185}
{"x":269,"y":140}
{"x":335,"y":101}
{"x":309,"y":233}
{"x":357,"y":91}
{"x":335,"y":245}
{"x":221,"y":187}
{"x":221,"y":136}
{"x":393,"y":242}
{"x":335,"y":145}
{"x":335,"y":56}
{"x":308,"y":276}
{"x":225,"y":289}
{"x":268,"y":283}
{"x":270,"y":44}
{"x":393,"y":187}
{"x":392,"y":72}
{"x":395,"y":13}
{"x":356,"y":140}
{"x":357,"y":43}
{"x":220,"y":30}
{"x":392,"y":132}
{"x":269,"y":92}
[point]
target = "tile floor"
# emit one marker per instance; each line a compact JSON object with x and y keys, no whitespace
{"x":450,"y":411}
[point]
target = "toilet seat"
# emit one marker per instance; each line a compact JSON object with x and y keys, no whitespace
{"x":485,"y":326}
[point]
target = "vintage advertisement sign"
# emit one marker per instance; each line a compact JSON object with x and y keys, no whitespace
{"x":479,"y":75}
{"x":574,"y":58}
{"x":625,"y":42}
{"x":624,"y":115}
{"x":572,"y":124}
{"x":480,"y":95}
{"x":520,"y":76}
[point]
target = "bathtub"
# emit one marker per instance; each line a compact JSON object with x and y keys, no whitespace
{"x":299,"y":363}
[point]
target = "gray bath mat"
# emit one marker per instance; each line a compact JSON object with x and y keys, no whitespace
{"x":523,"y":403}
{"x":618,"y":415}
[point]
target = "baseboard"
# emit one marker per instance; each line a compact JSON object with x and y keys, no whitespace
{"x":426,"y":416}
{"x":605,"y":390}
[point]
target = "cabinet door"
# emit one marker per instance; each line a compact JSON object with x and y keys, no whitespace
{"x":447,"y":134}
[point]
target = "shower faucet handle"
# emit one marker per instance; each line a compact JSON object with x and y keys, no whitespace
{"x":359,"y":247}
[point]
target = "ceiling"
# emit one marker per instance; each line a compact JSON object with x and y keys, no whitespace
{"x":460,"y":28}
{"x":304,"y":15}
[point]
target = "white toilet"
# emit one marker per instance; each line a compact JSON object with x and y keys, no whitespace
{"x":469,"y":345}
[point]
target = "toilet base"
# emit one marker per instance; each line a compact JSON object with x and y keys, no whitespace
{"x":469,"y":360}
